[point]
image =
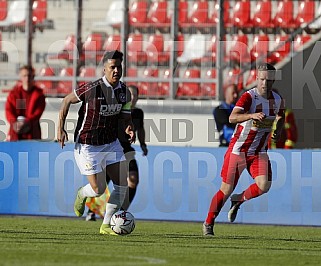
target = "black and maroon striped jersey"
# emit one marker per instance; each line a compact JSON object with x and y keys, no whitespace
{"x":99,"y":112}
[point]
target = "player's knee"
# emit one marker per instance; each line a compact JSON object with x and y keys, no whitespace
{"x":227,"y":189}
{"x":264,"y":186}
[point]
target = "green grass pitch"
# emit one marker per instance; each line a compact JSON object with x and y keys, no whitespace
{"x":70,"y":241}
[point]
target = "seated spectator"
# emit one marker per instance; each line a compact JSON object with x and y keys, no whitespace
{"x":221,"y":115}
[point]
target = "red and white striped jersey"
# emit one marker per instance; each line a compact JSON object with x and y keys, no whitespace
{"x":251,"y":136}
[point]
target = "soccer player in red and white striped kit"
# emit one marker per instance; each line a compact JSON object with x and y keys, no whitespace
{"x":253,"y":114}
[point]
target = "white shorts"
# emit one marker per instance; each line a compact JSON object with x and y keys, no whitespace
{"x":94,"y":159}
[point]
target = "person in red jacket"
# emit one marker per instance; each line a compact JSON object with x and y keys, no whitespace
{"x":24,"y":107}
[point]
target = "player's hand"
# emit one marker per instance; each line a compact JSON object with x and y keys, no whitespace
{"x":62,"y":136}
{"x":258,"y":116}
{"x":131,"y":133}
{"x":144,"y":149}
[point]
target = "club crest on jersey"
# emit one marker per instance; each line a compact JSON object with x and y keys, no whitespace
{"x":110,"y":109}
{"x":122,"y":97}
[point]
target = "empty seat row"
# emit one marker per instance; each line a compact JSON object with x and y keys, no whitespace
{"x":14,"y":16}
{"x":285,"y":14}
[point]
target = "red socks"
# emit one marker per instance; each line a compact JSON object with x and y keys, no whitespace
{"x":251,"y":192}
{"x":217,"y":203}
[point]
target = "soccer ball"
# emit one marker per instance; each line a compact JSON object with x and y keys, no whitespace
{"x":122,"y":222}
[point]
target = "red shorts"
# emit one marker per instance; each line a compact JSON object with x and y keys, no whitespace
{"x":234,"y":165}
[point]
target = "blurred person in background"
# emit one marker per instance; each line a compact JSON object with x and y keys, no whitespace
{"x":222,"y":112}
{"x":289,"y":134}
{"x":24,"y":106}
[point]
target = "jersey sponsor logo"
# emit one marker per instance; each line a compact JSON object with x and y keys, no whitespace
{"x":122,"y":97}
{"x":266,"y":123}
{"x":89,"y":167}
{"x":110,"y":109}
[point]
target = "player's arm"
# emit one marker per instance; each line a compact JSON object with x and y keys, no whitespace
{"x":62,"y":135}
{"x":126,"y":119}
{"x":141,"y":138}
{"x":238,"y":116}
{"x":280,"y":120}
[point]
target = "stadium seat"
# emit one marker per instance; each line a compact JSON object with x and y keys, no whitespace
{"x":114,"y":15}
{"x":138,"y":13}
{"x":234,"y":76}
{"x":315,"y":26}
{"x":64,"y":87}
{"x":113,"y":42}
{"x":260,"y":47}
{"x":155,"y":50}
{"x":135,"y":51}
{"x":3,"y":9}
{"x":131,"y":73}
{"x":300,"y":40}
{"x":241,"y":15}
{"x":262,"y":17}
{"x":239,"y":52}
{"x":157,"y":15}
{"x":47,"y":85}
{"x":199,"y":13}
{"x":284,"y":15}
{"x":195,"y":48}
{"x":93,"y":46}
{"x":189,"y":88}
{"x":163,"y":87}
{"x":305,"y":15}
{"x":87,"y":72}
{"x":251,"y":78}
{"x":209,"y":89}
{"x":281,"y":49}
{"x":39,"y":15}
{"x":149,"y":88}
{"x":16,"y":16}
{"x":214,"y":17}
{"x":179,"y":47}
{"x":182,"y":12}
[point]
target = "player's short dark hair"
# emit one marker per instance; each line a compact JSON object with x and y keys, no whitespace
{"x":114,"y":54}
{"x":265,"y":67}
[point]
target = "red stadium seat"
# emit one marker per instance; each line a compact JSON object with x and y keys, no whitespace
{"x":155,"y":50}
{"x":306,"y":12}
{"x":157,"y":14}
{"x":179,"y":47}
{"x":239,"y":52}
{"x":281,"y":49}
{"x":87,"y":72}
{"x":135,"y":51}
{"x":64,"y":87}
{"x":260,"y":47}
{"x":47,"y":85}
{"x":209,"y":89}
{"x":214,"y":17}
{"x":300,"y":40}
{"x":3,"y":9}
{"x":93,"y":46}
{"x":39,"y":11}
{"x":241,"y":14}
{"x":234,"y":76}
{"x":131,"y":73}
{"x":163,"y":87}
{"x":262,"y":17}
{"x":149,"y":88}
{"x":138,"y":13}
{"x":251,"y":78}
{"x":182,"y":12}
{"x":284,"y":15}
{"x":189,"y":88}
{"x":199,"y":12}
{"x":113,"y":42}
{"x":67,"y":51}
